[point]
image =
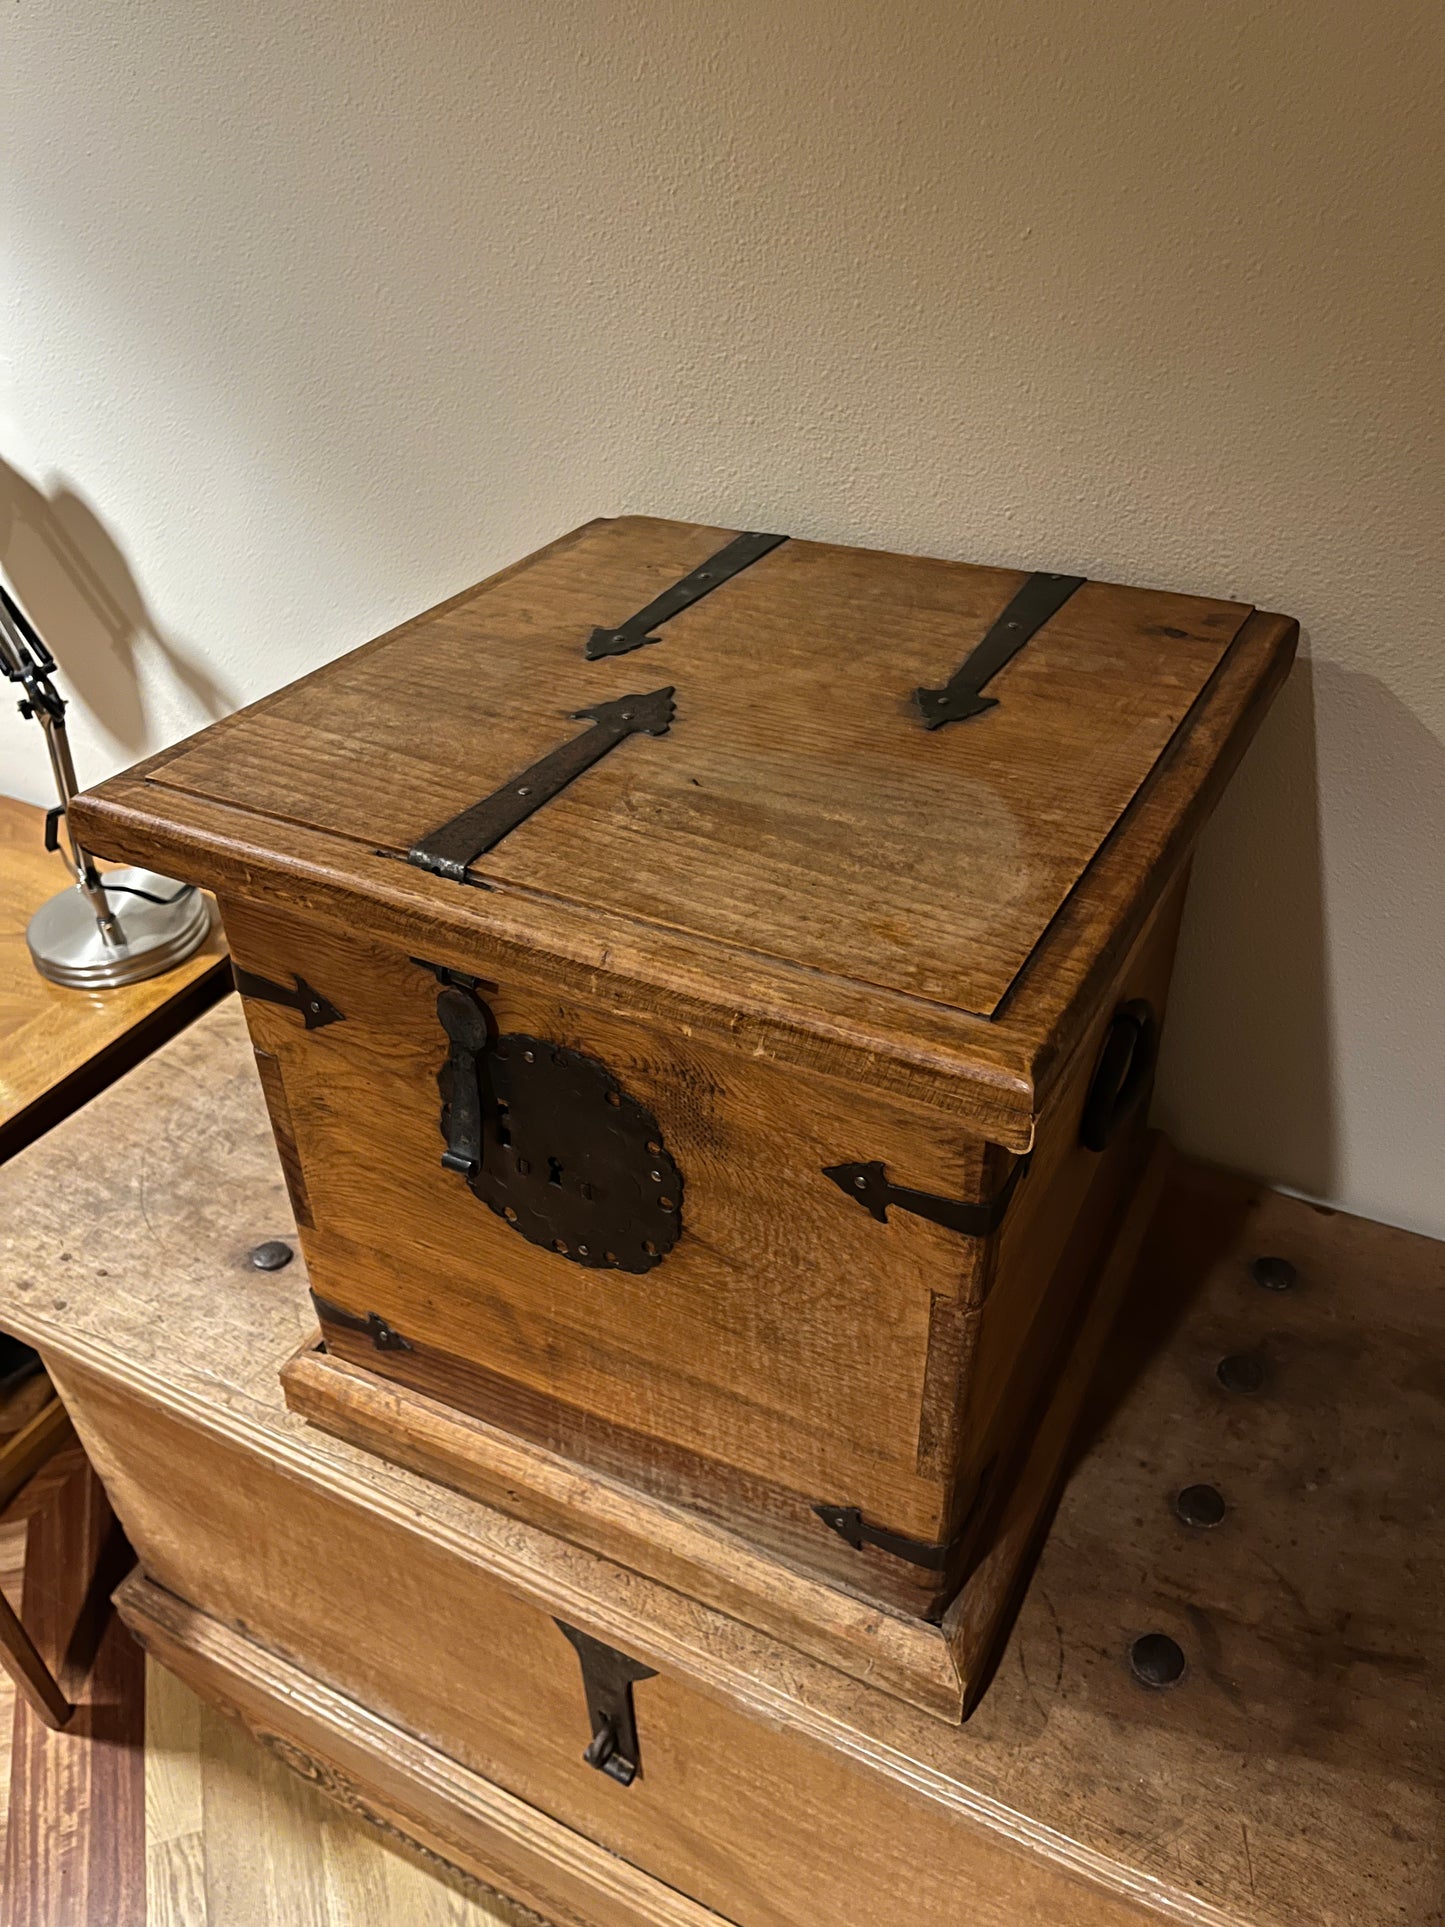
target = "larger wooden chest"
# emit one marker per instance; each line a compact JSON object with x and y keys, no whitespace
{"x":706,"y":989}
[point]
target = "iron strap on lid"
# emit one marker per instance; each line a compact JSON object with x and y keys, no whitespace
{"x":455,"y":845}
{"x":739,"y":554}
{"x":1041,"y":596}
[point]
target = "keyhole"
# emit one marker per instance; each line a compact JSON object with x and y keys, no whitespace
{"x":554,"y":1170}
{"x":504,"y":1130}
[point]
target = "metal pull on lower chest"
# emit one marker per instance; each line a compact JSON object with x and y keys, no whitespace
{"x":607,"y":1680}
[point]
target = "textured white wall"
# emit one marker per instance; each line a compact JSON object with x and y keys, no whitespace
{"x":321,"y":311}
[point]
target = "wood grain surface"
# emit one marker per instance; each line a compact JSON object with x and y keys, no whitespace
{"x":797,"y":808}
{"x":1292,"y":1779}
{"x":808,"y":873}
{"x":58,"y":1046}
{"x":236,"y":1837}
{"x":789,"y":1352}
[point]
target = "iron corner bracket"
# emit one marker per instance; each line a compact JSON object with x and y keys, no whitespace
{"x":850,"y":1525}
{"x":373,"y":1326}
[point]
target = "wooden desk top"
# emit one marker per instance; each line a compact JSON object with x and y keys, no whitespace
{"x":57,"y":1045}
{"x":1292,"y":1778}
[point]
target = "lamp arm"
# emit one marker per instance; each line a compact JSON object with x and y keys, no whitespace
{"x":25,"y":660}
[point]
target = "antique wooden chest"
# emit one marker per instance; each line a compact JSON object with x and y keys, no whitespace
{"x":706,"y":989}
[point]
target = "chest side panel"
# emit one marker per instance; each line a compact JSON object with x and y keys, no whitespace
{"x":782,"y":1336}
{"x":1042,"y":1265}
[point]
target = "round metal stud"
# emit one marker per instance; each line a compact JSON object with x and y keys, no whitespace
{"x":1157,"y":1660}
{"x":1241,"y":1372}
{"x":272,"y":1255}
{"x":1274,"y":1274}
{"x":1200,"y":1505}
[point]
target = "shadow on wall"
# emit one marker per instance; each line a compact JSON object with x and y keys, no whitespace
{"x":1245,"y":1068}
{"x":75,"y":584}
{"x":1252,"y":1062}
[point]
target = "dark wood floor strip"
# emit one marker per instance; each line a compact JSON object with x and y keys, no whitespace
{"x":75,"y":1844}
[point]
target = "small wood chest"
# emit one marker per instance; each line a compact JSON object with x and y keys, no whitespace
{"x":706,"y":989}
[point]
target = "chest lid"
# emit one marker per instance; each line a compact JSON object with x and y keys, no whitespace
{"x":886,"y":770}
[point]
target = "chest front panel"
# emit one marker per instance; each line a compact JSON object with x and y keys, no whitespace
{"x":773,"y":1340}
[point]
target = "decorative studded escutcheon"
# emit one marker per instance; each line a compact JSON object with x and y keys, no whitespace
{"x":547,"y":1138}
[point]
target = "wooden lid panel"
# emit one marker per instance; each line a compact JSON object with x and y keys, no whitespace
{"x":797,"y":808}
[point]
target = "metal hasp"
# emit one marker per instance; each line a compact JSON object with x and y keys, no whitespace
{"x":848,"y":1522}
{"x":722,"y":567}
{"x":607,"y":1680}
{"x":548,"y":1139}
{"x":869,"y":1185}
{"x":316,"y":1010}
{"x":1041,"y":596}
{"x":450,"y":849}
{"x":373,"y":1326}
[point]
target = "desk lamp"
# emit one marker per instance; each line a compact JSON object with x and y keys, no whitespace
{"x":109,"y":929}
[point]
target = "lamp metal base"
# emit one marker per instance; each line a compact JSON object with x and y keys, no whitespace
{"x":67,"y":948}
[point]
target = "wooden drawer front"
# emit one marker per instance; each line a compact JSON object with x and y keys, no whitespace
{"x":767,"y":1828}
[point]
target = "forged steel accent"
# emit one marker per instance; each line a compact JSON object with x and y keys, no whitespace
{"x":1157,"y":1660}
{"x":1242,"y":1372}
{"x":607,"y":1680}
{"x":1122,"y":1074}
{"x":848,"y":1522}
{"x":1200,"y":1505}
{"x":315,"y":1009}
{"x":739,"y":554}
{"x":451,"y":848}
{"x":1041,"y":596}
{"x":1274,"y":1274}
{"x":385,"y":1337}
{"x":869,"y":1185}
{"x":273,"y":1255}
{"x":549,"y":1141}
{"x":467,"y":1022}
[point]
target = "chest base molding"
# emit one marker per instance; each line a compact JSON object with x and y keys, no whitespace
{"x":940,"y":1667}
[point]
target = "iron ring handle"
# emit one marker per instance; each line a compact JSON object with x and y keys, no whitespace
{"x":1122,"y":1074}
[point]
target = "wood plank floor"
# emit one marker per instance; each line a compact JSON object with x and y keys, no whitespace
{"x":233,"y":1837}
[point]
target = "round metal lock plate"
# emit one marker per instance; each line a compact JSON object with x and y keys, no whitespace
{"x":569,"y":1160}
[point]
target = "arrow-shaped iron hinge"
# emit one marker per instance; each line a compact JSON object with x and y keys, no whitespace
{"x":707,"y":576}
{"x":450,"y":849}
{"x":870,"y":1186}
{"x":315,"y":1009}
{"x":1041,"y":596}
